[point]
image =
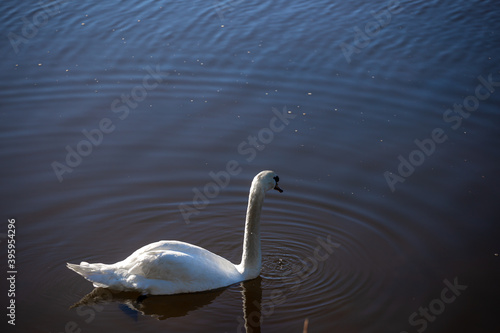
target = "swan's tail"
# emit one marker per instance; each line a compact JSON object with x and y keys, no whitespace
{"x":101,"y":275}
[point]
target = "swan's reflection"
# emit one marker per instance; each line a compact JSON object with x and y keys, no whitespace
{"x":251,"y":292}
{"x":169,"y":306}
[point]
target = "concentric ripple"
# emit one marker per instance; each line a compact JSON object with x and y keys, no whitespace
{"x":316,"y":262}
{"x":311,"y":268}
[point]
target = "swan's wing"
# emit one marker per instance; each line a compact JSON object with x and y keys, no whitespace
{"x":163,"y":246}
{"x":173,"y":267}
{"x":165,"y":265}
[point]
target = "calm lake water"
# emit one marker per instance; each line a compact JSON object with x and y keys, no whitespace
{"x":380,"y":117}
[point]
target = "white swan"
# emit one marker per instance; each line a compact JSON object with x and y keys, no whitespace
{"x":173,"y":267}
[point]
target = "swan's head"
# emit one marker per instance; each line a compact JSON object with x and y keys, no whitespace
{"x":269,"y":180}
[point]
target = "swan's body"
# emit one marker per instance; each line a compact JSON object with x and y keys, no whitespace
{"x":172,"y":267}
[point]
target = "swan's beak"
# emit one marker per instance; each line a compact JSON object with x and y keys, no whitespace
{"x":277,"y":188}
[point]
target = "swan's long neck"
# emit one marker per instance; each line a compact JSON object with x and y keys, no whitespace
{"x":251,"y":259}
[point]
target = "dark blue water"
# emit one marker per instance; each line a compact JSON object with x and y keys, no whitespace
{"x":381,"y":118}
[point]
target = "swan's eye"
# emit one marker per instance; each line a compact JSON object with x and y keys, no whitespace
{"x":276,"y":178}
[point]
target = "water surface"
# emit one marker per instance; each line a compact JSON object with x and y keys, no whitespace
{"x":114,"y":114}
